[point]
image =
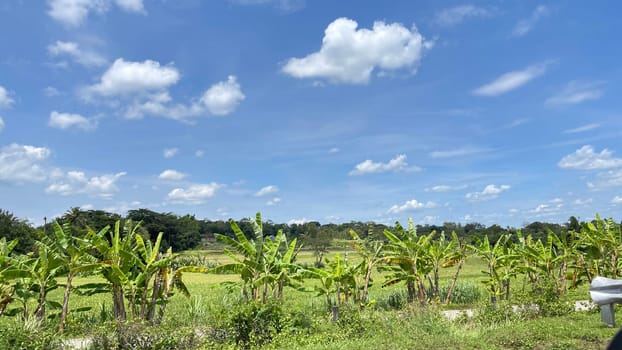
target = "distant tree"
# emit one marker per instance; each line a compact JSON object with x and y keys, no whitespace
{"x":11,"y":228}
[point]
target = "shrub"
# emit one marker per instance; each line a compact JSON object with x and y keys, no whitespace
{"x":255,"y":324}
{"x":464,"y":293}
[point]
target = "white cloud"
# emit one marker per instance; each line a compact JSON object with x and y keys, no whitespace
{"x":333,"y":150}
{"x":76,"y":182}
{"x":86,"y":58}
{"x":616,"y":200}
{"x":511,"y":80}
{"x":199,"y":153}
{"x":457,"y":14}
{"x":576,"y":92}
{"x":194,"y":194}
{"x":220,"y":99}
{"x":524,"y":26}
{"x":124,"y":77}
{"x":489,"y":192}
{"x":72,"y":13}
{"x":465,"y":151}
{"x":298,"y":221}
{"x":51,"y":91}
{"x":170,"y":174}
{"x":273,"y":201}
{"x":412,"y":204}
{"x":586,"y":159}
{"x":23,"y":163}
{"x":396,"y":164}
{"x":546,"y":209}
{"x":350,"y":55}
{"x":68,"y":120}
{"x":611,"y":178}
{"x":1,"y":123}
{"x":5,"y":100}
{"x":267,"y":190}
{"x":131,"y":5}
{"x":582,"y":128}
{"x":170,"y":152}
{"x":583,"y":201}
{"x":223,"y":97}
{"x":444,"y":188}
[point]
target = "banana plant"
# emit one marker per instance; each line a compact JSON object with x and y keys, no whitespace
{"x":502,"y":262}
{"x":372,"y":254}
{"x":117,"y":260}
{"x":73,"y":253}
{"x":7,"y":265}
{"x":456,"y":257}
{"x":407,"y":255}
{"x":265,"y":265}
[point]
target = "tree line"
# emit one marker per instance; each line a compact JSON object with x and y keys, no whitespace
{"x":186,"y":232}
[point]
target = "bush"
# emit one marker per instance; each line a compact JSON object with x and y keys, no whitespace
{"x":254,"y":324}
{"x":27,"y":335}
{"x":137,"y":336}
{"x":464,"y":293}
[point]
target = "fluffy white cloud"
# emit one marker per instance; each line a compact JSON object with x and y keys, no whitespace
{"x":194,"y":194}
{"x":444,"y":188}
{"x":298,"y":221}
{"x":86,"y":58}
{"x":350,"y":55}
{"x":267,"y":190}
{"x":456,"y":15}
{"x":170,"y":174}
{"x":489,"y":192}
{"x":582,"y":128}
{"x":124,"y":77}
{"x":576,"y":92}
{"x":5,"y":100}
{"x":23,"y":163}
{"x":170,"y":152}
{"x":72,"y":13}
{"x":586,"y":159}
{"x":511,"y":80}
{"x":616,"y":200}
{"x":412,"y":204}
{"x":223,"y":97}
{"x":396,"y":164}
{"x":76,"y":182}
{"x":68,"y":120}
{"x":273,"y":201}
{"x":524,"y":26}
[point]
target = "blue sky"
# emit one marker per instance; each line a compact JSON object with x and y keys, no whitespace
{"x":501,"y":112}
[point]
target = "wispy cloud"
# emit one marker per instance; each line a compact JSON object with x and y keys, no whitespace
{"x":512,"y":80}
{"x":455,"y":15}
{"x":524,"y":26}
{"x":576,"y":92}
{"x":267,"y":190}
{"x":396,"y":164}
{"x":170,"y":152}
{"x":582,"y":128}
{"x":458,"y":152}
{"x":445,"y":188}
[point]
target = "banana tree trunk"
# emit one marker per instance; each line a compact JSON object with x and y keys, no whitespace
{"x":366,"y":286}
{"x":157,"y":287}
{"x":118,"y":303}
{"x":452,"y":287}
{"x":65,"y":309}
{"x":40,"y":311}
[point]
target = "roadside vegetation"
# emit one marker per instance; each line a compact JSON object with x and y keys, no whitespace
{"x":95,"y":280}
